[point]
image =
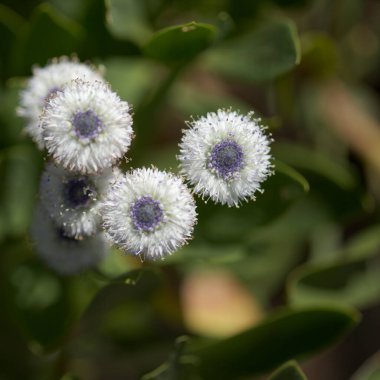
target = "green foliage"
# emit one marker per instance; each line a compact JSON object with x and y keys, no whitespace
{"x":352,"y":282}
{"x":10,"y":25}
{"x":292,"y":173}
{"x":288,"y":371}
{"x":19,"y":166}
{"x":48,"y":35}
{"x":132,"y":78}
{"x":304,"y":158}
{"x":263,"y":55}
{"x":282,"y":336}
{"x":178,"y":366}
{"x":180,"y":43}
{"x":349,"y":277}
{"x":41,"y":299}
{"x":370,"y":370}
{"x":128,"y":19}
{"x":309,"y":243}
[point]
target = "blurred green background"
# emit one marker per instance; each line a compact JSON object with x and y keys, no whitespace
{"x":277,"y":279}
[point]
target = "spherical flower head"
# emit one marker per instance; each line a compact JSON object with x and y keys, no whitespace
{"x":86,"y":127}
{"x":72,"y":200}
{"x":149,"y":212}
{"x":44,"y":83}
{"x":225,"y":156}
{"x":64,"y":254}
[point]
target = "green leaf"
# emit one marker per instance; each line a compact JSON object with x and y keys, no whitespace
{"x":127,"y":19}
{"x":115,"y":265}
{"x":249,"y":250}
{"x":40,"y":300}
{"x":192,"y":100}
{"x":333,"y":183}
{"x":12,"y":125}
{"x":365,"y":244}
{"x":20,"y":168}
{"x":10,"y":26}
{"x":235,"y":225}
{"x":180,"y":43}
{"x":352,"y":282}
{"x":370,"y":370}
{"x":124,"y":311}
{"x":178,"y":366}
{"x":11,"y":20}
{"x":284,"y":335}
{"x":288,"y":371}
{"x":50,"y":34}
{"x":261,"y":55}
{"x":305,"y":158}
{"x":73,"y":9}
{"x":292,"y":173}
{"x":132,"y":78}
{"x":99,"y":42}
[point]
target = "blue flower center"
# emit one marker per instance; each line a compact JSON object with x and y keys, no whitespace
{"x":87,"y":125}
{"x":78,"y":192}
{"x":226,"y":158}
{"x":146,"y":213}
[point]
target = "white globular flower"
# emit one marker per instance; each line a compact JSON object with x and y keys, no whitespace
{"x":149,"y":212}
{"x":45,"y":82}
{"x":72,"y":200}
{"x":86,"y":127}
{"x":61,"y":253}
{"x":225,"y":156}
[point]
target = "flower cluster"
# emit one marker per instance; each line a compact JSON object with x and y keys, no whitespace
{"x":85,"y":128}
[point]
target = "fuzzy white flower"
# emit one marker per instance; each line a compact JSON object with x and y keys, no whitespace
{"x":45,"y":82}
{"x":225,"y":156}
{"x":63,"y":254}
{"x":86,"y":127}
{"x":149,"y":212}
{"x":73,"y":200}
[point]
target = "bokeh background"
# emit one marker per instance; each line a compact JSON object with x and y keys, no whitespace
{"x":308,"y":246}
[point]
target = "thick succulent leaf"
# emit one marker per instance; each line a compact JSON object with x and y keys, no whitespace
{"x":290,"y":333}
{"x":180,"y":43}
{"x":261,"y":55}
{"x":353,"y":282}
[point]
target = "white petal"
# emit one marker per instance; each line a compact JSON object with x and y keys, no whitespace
{"x":45,"y":81}
{"x":196,"y":146}
{"x":75,"y":221}
{"x":64,"y":255}
{"x":93,"y":154}
{"x":175,"y":200}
